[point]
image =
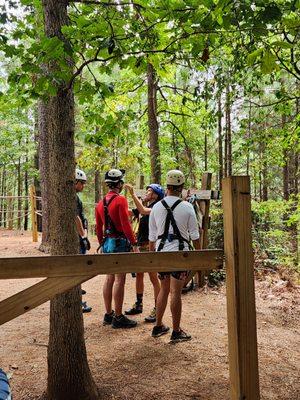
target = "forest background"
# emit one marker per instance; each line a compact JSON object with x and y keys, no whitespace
{"x":209,"y":85}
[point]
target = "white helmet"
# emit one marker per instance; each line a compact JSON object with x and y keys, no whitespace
{"x":175,"y":178}
{"x":114,"y":176}
{"x":80,"y":175}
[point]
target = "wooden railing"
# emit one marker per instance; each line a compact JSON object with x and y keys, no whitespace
{"x":64,"y":272}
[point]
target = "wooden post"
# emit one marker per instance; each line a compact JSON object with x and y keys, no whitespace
{"x":10,"y":211}
{"x":241,"y":313}
{"x":204,"y":208}
{"x":141,"y":182}
{"x":33,"y":213}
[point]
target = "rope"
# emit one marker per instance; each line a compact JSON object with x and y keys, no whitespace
{"x":14,"y":197}
{"x":12,"y":211}
{"x":13,"y":219}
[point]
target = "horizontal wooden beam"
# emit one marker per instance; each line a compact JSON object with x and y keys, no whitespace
{"x":80,"y":265}
{"x":201,"y":194}
{"x":35,"y":295}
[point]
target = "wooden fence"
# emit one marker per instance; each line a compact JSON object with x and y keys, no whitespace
{"x":64,"y":272}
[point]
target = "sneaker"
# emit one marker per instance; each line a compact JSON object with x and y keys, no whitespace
{"x":152,"y":316}
{"x":123,"y":322}
{"x":85,"y":307}
{"x":158,"y":331}
{"x":137,"y":308}
{"x":107,"y":320}
{"x":180,"y":336}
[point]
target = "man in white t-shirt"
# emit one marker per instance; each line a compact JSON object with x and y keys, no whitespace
{"x":172,"y":226}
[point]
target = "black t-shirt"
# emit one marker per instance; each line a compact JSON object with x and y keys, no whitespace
{"x":80,"y":212}
{"x":143,"y":232}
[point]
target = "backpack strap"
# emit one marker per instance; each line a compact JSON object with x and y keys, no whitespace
{"x":109,"y":226}
{"x":170,"y":219}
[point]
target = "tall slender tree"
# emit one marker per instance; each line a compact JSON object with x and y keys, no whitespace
{"x":69,"y":375}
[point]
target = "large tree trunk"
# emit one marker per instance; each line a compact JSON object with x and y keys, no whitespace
{"x":153,"y":126}
{"x":69,"y":376}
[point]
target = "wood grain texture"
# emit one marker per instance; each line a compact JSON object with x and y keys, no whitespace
{"x":241,"y":312}
{"x":79,"y":265}
{"x":36,"y":295}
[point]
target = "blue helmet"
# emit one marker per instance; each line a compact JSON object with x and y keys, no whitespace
{"x":157,"y":189}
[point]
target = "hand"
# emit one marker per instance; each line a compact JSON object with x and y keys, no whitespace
{"x":136,"y":249}
{"x":86,"y":243}
{"x":129,"y":188}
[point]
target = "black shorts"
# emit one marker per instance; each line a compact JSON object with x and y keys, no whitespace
{"x":179,"y":275}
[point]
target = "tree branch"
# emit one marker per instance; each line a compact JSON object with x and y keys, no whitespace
{"x":107,"y":4}
{"x":175,"y":113}
{"x":274,"y":103}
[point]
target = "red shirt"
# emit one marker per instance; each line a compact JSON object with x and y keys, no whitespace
{"x":118,"y":212}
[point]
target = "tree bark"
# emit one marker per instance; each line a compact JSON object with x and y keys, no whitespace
{"x":220,"y":142}
{"x":153,"y":125}
{"x":36,"y":180}
{"x":44,"y":168}
{"x":26,"y":203}
{"x":97,"y":186}
{"x":228,"y":133}
{"x":2,"y":201}
{"x":19,"y":190}
{"x":285,"y":171}
{"x":69,"y":375}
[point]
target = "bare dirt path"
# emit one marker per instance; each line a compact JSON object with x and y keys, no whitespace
{"x":132,"y":365}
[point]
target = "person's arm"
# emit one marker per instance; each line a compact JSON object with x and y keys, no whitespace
{"x":99,"y":226}
{"x":79,"y":226}
{"x":197,"y":244}
{"x":152,"y":231}
{"x":124,"y":218}
{"x":139,"y":205}
{"x":193,"y":229}
{"x":151,"y":246}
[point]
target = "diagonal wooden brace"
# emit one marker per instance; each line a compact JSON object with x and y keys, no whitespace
{"x":36,"y":295}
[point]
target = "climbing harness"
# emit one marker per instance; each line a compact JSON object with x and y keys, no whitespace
{"x":176,"y":233}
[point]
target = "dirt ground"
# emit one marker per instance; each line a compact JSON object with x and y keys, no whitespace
{"x":133,"y":365}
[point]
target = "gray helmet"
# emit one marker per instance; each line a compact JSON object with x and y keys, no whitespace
{"x":80,"y":175}
{"x":175,"y":178}
{"x":114,"y":176}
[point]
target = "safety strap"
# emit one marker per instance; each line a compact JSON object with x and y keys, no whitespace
{"x":170,"y":219}
{"x":109,"y":226}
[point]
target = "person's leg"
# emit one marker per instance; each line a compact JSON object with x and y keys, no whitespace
{"x":176,"y":286}
{"x":84,"y":306}
{"x":162,"y":299}
{"x":118,"y":293}
{"x":139,"y":285}
{"x":119,"y":320}
{"x":155,"y":283}
{"x":137,"y":307}
{"x":107,"y":292}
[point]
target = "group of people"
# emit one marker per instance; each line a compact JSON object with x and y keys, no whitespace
{"x":166,"y":223}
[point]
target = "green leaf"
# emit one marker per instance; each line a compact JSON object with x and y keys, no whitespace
{"x":282,"y":44}
{"x":268,"y":62}
{"x":252,"y":57}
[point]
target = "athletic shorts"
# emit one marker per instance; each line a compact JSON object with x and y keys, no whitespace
{"x":179,"y":275}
